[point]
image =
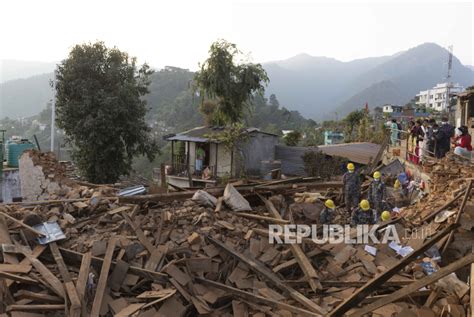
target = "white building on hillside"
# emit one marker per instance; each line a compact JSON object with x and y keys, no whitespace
{"x":388,"y":108}
{"x":435,"y":98}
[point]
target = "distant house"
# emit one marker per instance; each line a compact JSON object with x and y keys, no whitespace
{"x":201,"y":155}
{"x":464,"y":114}
{"x":435,"y":98}
{"x":331,"y":137}
{"x":391,"y":109}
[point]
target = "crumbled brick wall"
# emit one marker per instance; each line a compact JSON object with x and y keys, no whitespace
{"x":40,"y":176}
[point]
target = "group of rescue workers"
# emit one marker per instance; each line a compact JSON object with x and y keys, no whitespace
{"x":365,"y":211}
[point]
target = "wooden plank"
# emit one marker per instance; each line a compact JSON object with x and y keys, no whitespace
{"x":156,"y":257}
{"x":71,"y":291}
{"x":261,"y":269}
{"x":471,"y":281}
{"x":76,"y":257}
{"x":293,"y":261}
{"x":15,"y":268}
{"x":21,"y":224}
{"x":138,"y":231}
{"x":17,"y":278}
{"x":444,"y":207}
{"x":380,"y":279}
{"x":467,"y":195}
{"x":432,"y":297}
{"x":5,"y":238}
{"x":219,"y":203}
{"x":36,"y":253}
{"x":30,"y":307}
{"x":39,"y":297}
{"x":256,"y":298}
{"x":118,"y":275}
{"x":303,"y":261}
{"x":104,"y":273}
{"x":166,"y":197}
{"x":416,"y":285}
{"x":49,"y":277}
{"x":264,"y":218}
{"x":83,"y":276}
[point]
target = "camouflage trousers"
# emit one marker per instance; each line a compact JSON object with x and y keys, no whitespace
{"x":351,"y":200}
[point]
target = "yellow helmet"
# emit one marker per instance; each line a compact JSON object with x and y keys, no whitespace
{"x":330,"y":204}
{"x":397,"y":184}
{"x":364,"y":204}
{"x":386,"y":215}
{"x":350,"y":167}
{"x":377,"y":175}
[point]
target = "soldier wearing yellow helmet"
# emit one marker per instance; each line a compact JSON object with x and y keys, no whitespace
{"x":351,"y":188}
{"x":328,"y":213}
{"x":364,"y":215}
{"x":377,"y":193}
{"x":386,"y":216}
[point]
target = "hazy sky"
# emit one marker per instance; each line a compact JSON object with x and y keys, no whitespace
{"x":179,"y":33}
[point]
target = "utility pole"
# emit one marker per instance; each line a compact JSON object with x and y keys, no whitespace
{"x":448,"y":78}
{"x":53,"y":116}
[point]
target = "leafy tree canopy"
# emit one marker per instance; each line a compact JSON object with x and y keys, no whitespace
{"x":229,"y":80}
{"x":99,"y":105}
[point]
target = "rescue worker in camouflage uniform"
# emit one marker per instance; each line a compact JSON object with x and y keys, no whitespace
{"x":351,"y":187}
{"x":364,"y":215}
{"x":328,"y":213}
{"x":377,"y":193}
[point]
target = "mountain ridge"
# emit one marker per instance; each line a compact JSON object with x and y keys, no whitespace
{"x":316,"y":86}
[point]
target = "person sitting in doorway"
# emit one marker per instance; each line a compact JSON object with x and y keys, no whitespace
{"x":462,"y":142}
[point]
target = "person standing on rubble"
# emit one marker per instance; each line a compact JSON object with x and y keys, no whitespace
{"x":364,"y":215}
{"x":351,"y":187}
{"x":445,"y":133}
{"x":394,"y":132}
{"x":328,"y":213}
{"x":433,"y":141}
{"x":377,"y":193}
{"x":418,"y":135}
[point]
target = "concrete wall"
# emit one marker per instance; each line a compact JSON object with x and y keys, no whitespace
{"x":10,"y":186}
{"x":255,"y":148}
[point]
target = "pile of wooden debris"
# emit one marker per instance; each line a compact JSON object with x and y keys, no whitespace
{"x":208,"y":253}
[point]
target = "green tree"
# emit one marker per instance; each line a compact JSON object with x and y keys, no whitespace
{"x":99,"y":105}
{"x":273,"y":101}
{"x":229,"y":82}
{"x":292,"y":138}
{"x":352,"y":120}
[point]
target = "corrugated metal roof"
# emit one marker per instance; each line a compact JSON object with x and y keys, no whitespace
{"x":359,"y":152}
{"x":203,"y":134}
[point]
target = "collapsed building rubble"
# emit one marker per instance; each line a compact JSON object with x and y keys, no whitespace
{"x":208,"y":253}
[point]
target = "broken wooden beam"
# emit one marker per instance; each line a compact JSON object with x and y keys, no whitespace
{"x":35,"y":308}
{"x":467,"y":195}
{"x":49,"y":277}
{"x":413,"y":287}
{"x":378,"y":280}
{"x":444,"y":207}
{"x":264,"y":218}
{"x":268,"y":274}
{"x":138,"y":231}
{"x":167,"y":197}
{"x":68,"y":283}
{"x":303,"y":261}
{"x":23,"y":225}
{"x":18,"y":278}
{"x":104,"y":273}
{"x":76,"y":257}
{"x":38,"y":297}
{"x":256,"y":298}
